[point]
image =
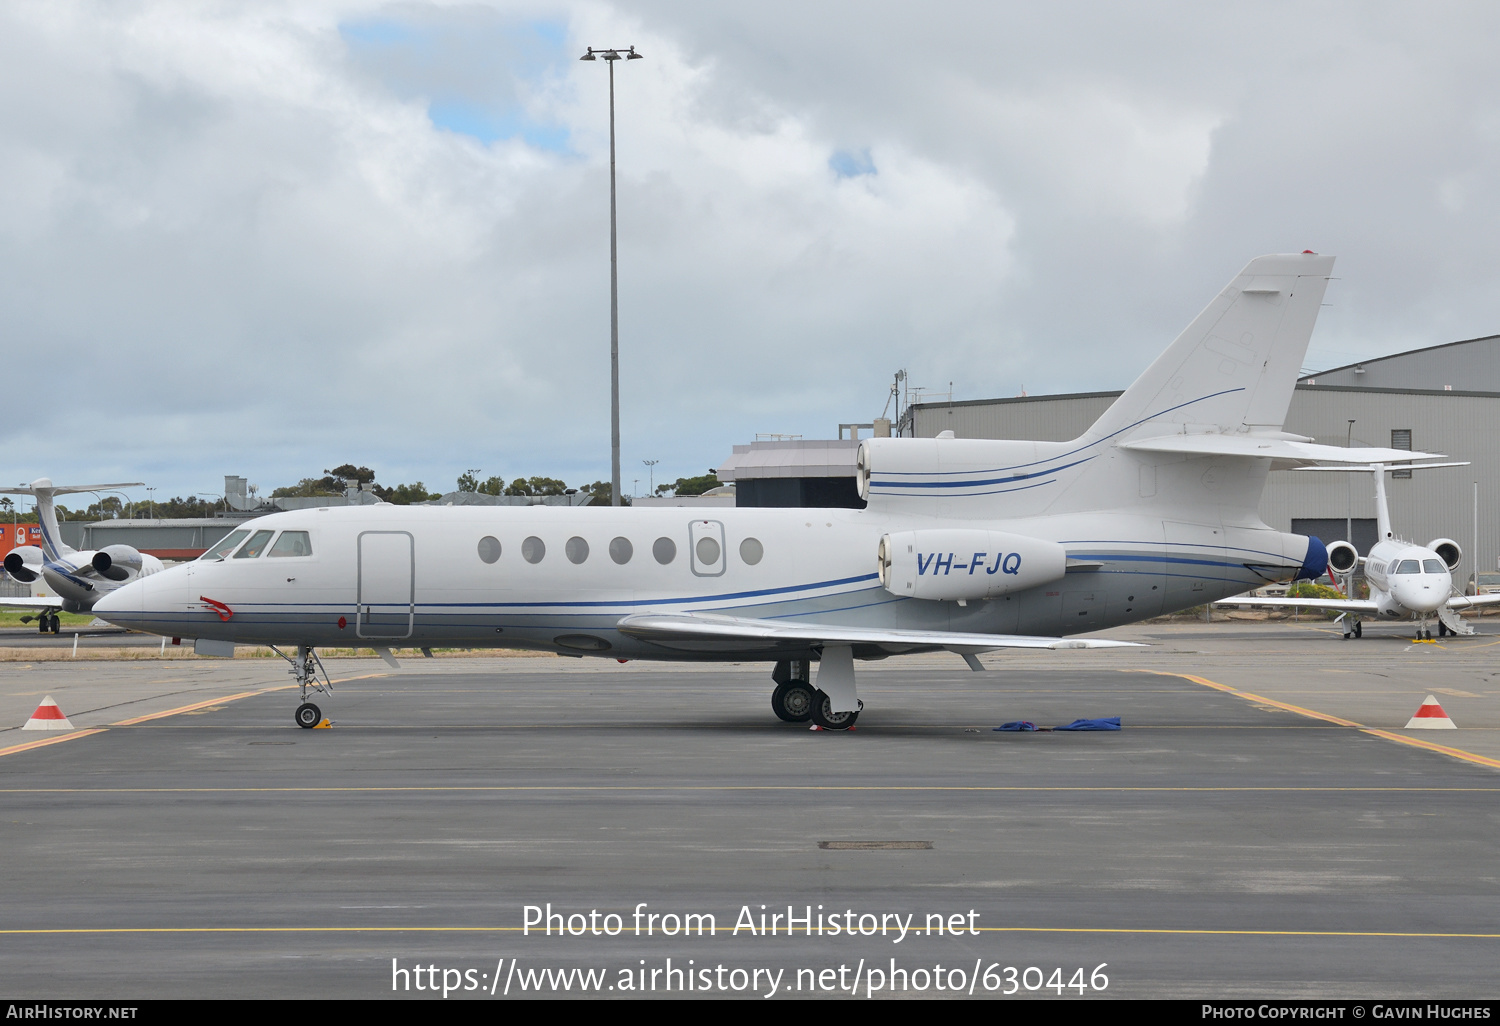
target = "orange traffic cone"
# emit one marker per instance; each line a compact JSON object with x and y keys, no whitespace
{"x":1430,"y":717}
{"x":48,"y":717}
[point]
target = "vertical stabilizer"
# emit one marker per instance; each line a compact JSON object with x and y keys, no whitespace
{"x":1234,"y":368}
{"x":43,"y":490}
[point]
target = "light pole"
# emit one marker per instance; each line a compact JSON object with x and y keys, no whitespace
{"x":651,"y":476}
{"x":1348,"y":494}
{"x":614,"y":279}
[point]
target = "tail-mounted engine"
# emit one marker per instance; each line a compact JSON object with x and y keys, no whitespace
{"x":24,"y":563}
{"x":1448,"y":551}
{"x":1342,"y":557}
{"x":117,"y":562}
{"x":955,"y":564}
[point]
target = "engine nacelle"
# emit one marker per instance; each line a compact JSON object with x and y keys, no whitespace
{"x":1342,"y":557}
{"x":24,"y":563}
{"x":955,"y":563}
{"x":117,"y":562}
{"x":1448,"y":551}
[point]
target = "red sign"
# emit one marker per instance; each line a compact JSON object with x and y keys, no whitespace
{"x":15,"y":535}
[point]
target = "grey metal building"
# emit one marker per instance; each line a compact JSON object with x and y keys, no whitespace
{"x":1442,"y":399}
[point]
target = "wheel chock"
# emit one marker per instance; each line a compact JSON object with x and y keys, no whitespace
{"x":327,"y":724}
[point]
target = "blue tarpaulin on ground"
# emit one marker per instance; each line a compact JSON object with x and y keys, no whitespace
{"x":1111,"y":723}
{"x":1017,"y":725}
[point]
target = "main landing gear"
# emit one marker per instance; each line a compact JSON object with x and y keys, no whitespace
{"x":1354,"y":628}
{"x":47,"y":622}
{"x":306,"y":666}
{"x":833,"y":705}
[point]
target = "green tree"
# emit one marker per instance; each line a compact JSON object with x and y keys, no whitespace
{"x":406,"y":494}
{"x":310,"y":488}
{"x":467,"y":482}
{"x":536,"y":486}
{"x":690,"y":485}
{"x":349,"y":472}
{"x":493,"y":486}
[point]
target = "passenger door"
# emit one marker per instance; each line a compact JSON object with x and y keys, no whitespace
{"x":387,"y":585}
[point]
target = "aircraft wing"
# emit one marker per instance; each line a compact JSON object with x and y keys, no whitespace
{"x":27,"y":602}
{"x":711,"y":632}
{"x":1470,"y":601}
{"x":1342,"y":605}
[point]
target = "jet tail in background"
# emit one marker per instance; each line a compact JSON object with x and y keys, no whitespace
{"x":1234,"y":368}
{"x":43,"y":490}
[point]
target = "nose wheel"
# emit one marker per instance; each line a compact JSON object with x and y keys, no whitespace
{"x":307,"y":670}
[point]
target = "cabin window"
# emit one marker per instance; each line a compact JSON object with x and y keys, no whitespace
{"x":255,"y":546}
{"x":489,"y":549}
{"x":291,"y":543}
{"x":577,"y":550}
{"x":752,"y":551}
{"x":620,"y":550}
{"x":533,"y":549}
{"x":226,"y":546}
{"x":1433,"y":566}
{"x":665,"y":550}
{"x":1409,"y":566}
{"x":708,"y":551}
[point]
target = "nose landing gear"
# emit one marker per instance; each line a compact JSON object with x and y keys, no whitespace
{"x":306,"y":667}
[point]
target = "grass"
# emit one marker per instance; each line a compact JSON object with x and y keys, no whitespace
{"x":12,"y":618}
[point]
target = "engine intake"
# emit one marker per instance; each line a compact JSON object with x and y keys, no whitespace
{"x":1448,"y":551}
{"x":1343,"y":557}
{"x":953,"y":564}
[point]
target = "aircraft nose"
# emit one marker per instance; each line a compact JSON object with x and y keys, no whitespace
{"x":1423,"y":593}
{"x":121,"y":601}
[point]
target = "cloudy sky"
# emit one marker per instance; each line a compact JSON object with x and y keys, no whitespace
{"x":265,"y":238}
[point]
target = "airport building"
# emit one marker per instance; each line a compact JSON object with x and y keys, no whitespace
{"x":1442,"y":399}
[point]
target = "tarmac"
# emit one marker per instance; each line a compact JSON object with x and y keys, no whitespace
{"x":1262,"y":827}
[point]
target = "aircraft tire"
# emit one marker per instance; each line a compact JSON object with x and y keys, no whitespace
{"x":792,"y":702}
{"x":1359,"y":629}
{"x":308,"y":716}
{"x":56,"y":624}
{"x":824,"y":716}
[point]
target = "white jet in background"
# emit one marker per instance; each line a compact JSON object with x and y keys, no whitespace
{"x":1407,"y":581}
{"x":77,"y":579}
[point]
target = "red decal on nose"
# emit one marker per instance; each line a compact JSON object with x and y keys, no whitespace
{"x":343,"y":623}
{"x":224,"y":611}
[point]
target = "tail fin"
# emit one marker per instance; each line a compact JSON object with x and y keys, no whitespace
{"x":1233,"y":369}
{"x":42,"y":489}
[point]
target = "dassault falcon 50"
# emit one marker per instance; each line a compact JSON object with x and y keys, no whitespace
{"x":965,"y":545}
{"x":77,"y":579}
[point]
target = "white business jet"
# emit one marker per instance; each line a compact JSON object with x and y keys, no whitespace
{"x":77,"y":579}
{"x":966,"y":545}
{"x":1407,"y":581}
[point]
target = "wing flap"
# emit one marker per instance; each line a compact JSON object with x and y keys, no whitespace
{"x":696,"y":632}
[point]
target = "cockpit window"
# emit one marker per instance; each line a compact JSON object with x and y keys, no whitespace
{"x":1433,"y":566}
{"x":1409,"y":566}
{"x":255,"y":546}
{"x":226,"y":546}
{"x":291,"y":543}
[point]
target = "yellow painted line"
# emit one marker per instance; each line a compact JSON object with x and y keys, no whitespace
{"x":196,"y":705}
{"x":44,"y":742}
{"x":1299,"y":710}
{"x":1457,"y":753}
{"x":1157,"y":931}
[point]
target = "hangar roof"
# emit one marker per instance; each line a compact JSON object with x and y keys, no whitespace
{"x":1472,"y":365}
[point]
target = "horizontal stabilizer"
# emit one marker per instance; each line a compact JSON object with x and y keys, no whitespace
{"x":48,"y":487}
{"x":1284,"y":451}
{"x":701,"y":632}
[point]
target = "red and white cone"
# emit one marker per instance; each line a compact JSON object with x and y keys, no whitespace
{"x":1431,"y":717}
{"x":48,"y":717}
